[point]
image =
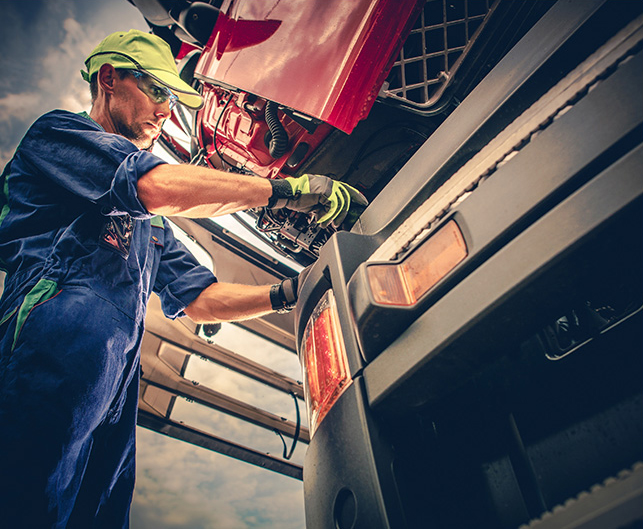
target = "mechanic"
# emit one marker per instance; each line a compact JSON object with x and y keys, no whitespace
{"x":84,"y":243}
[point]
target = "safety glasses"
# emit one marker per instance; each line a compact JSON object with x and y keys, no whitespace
{"x":156,"y":92}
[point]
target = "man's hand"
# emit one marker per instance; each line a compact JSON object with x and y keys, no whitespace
{"x":326,"y":199}
{"x":221,"y":302}
{"x":284,"y":295}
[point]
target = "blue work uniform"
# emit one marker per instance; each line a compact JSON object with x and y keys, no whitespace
{"x":82,"y":256}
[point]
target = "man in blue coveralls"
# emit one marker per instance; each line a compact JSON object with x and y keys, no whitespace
{"x":84,"y":243}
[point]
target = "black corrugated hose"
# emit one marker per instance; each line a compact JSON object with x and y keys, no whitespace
{"x":279,"y":136}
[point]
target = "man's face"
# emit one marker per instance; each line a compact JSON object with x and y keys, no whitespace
{"x":134,"y":115}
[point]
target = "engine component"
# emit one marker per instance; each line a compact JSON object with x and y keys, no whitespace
{"x":278,"y":142}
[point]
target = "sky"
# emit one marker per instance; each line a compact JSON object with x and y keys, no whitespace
{"x":43,"y":44}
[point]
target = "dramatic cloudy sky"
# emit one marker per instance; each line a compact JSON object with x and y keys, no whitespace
{"x":43,"y":44}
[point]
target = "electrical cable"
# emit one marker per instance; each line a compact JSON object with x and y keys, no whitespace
{"x":216,"y":128}
{"x":287,"y":454}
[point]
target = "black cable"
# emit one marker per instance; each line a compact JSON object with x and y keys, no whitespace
{"x":283,"y":441}
{"x":288,"y":455}
{"x":216,"y":127}
{"x":267,"y":213}
{"x":278,"y":135}
{"x":297,"y":428}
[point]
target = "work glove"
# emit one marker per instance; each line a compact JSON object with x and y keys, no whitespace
{"x":284,"y":295}
{"x":328,"y":200}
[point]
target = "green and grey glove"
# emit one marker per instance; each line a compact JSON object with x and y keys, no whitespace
{"x":326,"y":199}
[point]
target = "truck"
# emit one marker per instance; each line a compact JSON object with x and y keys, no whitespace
{"x":471,"y":345}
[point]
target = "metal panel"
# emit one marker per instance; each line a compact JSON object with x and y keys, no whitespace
{"x":406,"y":188}
{"x":158,"y":373}
{"x":528,"y":168}
{"x":505,"y":275}
{"x":339,"y":53}
{"x":211,"y":442}
{"x":519,"y":133}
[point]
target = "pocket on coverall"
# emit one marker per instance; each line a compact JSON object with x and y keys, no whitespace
{"x":43,"y":291}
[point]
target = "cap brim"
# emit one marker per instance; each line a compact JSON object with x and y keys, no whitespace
{"x":187,"y":95}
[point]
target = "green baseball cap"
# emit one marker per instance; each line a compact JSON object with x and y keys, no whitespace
{"x":145,"y":52}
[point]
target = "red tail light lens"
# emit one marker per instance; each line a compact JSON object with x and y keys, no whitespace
{"x":326,"y":374}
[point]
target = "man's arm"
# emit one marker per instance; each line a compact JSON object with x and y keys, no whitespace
{"x":221,"y":302}
{"x":199,"y":192}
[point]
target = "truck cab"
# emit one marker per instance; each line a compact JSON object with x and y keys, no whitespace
{"x":471,"y":345}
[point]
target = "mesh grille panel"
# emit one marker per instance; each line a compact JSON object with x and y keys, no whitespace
{"x":443,"y":32}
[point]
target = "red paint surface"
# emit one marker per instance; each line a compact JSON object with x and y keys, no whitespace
{"x":324,"y":58}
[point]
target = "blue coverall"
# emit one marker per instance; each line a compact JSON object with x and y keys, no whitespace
{"x":82,"y":256}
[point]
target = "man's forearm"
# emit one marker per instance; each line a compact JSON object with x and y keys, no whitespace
{"x":221,"y":302}
{"x":199,"y":192}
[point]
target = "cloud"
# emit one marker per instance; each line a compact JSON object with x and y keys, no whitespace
{"x":58,"y":85}
{"x":59,"y":78}
{"x":15,"y":110}
{"x":180,"y":485}
{"x":61,"y":67}
{"x":167,"y":490}
{"x":42,"y":47}
{"x":18,"y":106}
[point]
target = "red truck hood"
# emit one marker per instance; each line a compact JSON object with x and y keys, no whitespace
{"x":324,"y":58}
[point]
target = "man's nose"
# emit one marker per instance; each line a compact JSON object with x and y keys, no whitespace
{"x":163,"y":109}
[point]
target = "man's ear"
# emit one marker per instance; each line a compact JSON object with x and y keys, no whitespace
{"x":106,"y":77}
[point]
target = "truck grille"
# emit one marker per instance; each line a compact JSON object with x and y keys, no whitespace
{"x":441,"y":36}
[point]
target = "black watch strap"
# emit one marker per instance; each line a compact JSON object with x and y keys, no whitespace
{"x":283,"y":296}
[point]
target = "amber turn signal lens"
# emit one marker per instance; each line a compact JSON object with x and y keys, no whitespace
{"x":406,"y":282}
{"x":326,"y":374}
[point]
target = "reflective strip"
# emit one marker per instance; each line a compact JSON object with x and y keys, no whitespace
{"x":44,"y":290}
